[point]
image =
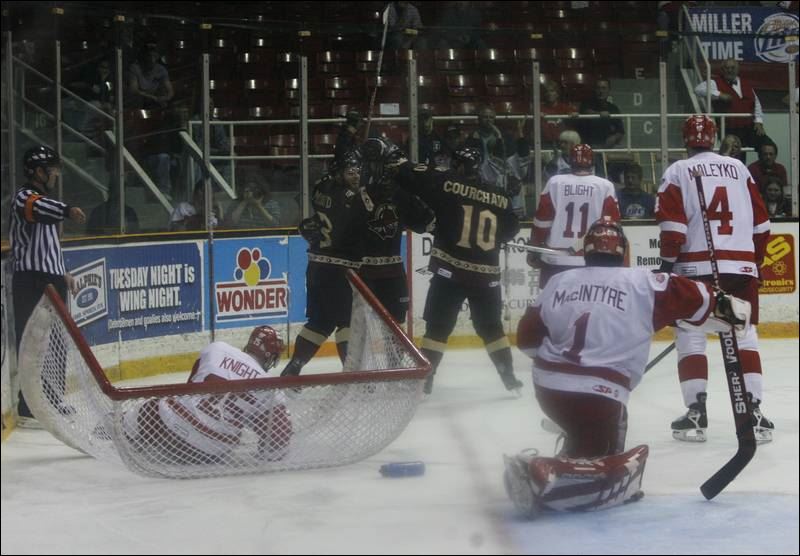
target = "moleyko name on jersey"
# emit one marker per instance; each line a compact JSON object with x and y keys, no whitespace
{"x":716,"y":171}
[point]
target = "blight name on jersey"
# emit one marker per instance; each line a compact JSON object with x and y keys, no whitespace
{"x":715,"y":171}
{"x":475,"y":194}
{"x":578,"y":189}
{"x":593,"y":294}
{"x":239,"y":367}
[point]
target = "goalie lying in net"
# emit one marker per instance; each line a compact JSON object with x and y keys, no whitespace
{"x":205,"y":428}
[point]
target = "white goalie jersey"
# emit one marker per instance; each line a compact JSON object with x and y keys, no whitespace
{"x":213,"y":424}
{"x":589,"y":330}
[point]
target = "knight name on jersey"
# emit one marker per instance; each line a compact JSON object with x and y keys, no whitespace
{"x":476,"y":194}
{"x":720,"y":170}
{"x":239,"y":368}
{"x":581,"y":189}
{"x":592,"y":293}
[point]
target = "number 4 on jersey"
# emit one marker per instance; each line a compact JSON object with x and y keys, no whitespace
{"x":719,"y":209}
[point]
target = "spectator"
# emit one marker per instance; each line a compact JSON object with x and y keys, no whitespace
{"x":731,"y":93}
{"x":634,"y":202}
{"x":766,"y":166}
{"x":505,"y":159}
{"x":149,"y":81}
{"x":462,"y":24}
{"x":347,"y":141}
{"x":104,"y":218}
{"x":96,"y":86}
{"x":220,"y":142}
{"x":551,"y":129}
{"x":731,"y":146}
{"x":452,"y":142}
{"x":606,"y":132}
{"x":429,"y":141}
{"x":560,"y":163}
{"x":191,"y":216}
{"x":402,"y":16}
{"x":777,"y":204}
{"x":255,"y":207}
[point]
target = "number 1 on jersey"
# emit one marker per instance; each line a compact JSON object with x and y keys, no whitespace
{"x":579,"y":340}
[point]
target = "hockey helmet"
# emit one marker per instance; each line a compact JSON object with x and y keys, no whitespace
{"x":581,"y":156}
{"x":39,"y":157}
{"x":470,"y":158}
{"x":605,"y":237}
{"x":266,"y":345}
{"x":699,"y":131}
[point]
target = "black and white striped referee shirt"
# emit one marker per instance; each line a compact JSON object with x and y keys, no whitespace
{"x":34,"y":232}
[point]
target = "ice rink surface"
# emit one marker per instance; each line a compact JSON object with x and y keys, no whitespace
{"x":56,"y":500}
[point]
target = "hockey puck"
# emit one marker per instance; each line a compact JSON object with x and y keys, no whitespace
{"x":403,"y":469}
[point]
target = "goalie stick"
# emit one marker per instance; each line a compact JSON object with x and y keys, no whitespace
{"x":742,"y":411}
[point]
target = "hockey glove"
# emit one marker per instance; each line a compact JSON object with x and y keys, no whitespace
{"x":311,"y":230}
{"x":732,"y":310}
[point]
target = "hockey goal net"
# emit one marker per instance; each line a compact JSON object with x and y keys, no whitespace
{"x":231,"y":427}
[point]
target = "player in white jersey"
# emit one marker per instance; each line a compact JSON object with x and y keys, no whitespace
{"x":589,"y":335}
{"x":569,"y":203}
{"x":200,"y":429}
{"x":740,"y":231}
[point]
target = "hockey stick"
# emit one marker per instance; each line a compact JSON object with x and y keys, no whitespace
{"x":535,"y":249}
{"x":378,"y":72}
{"x":657,"y":359}
{"x":742,"y":412}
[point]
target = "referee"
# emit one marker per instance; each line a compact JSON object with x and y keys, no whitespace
{"x":36,"y":250}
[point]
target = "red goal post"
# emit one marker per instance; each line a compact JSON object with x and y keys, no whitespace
{"x":234,"y":427}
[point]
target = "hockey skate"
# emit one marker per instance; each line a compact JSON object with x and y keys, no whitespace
{"x":762,"y":427}
{"x":518,"y":483}
{"x":511,"y":382}
{"x":692,"y":426}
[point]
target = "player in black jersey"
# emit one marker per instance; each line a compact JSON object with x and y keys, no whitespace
{"x":472,"y":222}
{"x":335,"y":237}
{"x":393,"y":210}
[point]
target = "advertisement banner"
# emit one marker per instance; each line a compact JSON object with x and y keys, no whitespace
{"x":747,"y":33}
{"x":258,"y":281}
{"x":778,"y":271}
{"x":134,"y":292}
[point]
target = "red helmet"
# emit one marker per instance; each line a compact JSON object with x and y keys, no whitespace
{"x":605,"y":236}
{"x":265,"y":343}
{"x":581,"y":156}
{"x":699,"y":131}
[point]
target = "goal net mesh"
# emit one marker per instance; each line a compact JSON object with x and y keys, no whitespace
{"x":231,"y":427}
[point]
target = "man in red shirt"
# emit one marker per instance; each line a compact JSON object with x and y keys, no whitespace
{"x":765,"y":166}
{"x":733,"y":94}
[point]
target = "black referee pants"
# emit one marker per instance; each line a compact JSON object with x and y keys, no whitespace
{"x":28,"y":287}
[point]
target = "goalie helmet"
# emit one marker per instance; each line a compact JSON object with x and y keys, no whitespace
{"x":581,"y":156}
{"x":39,"y":157}
{"x":699,"y":131}
{"x":605,"y":237}
{"x":266,"y":345}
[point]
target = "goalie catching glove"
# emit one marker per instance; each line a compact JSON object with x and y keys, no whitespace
{"x":728,"y":311}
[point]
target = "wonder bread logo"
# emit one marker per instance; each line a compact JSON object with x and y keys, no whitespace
{"x":251,"y":294}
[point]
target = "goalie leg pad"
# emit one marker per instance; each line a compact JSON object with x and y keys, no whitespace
{"x":517,"y":481}
{"x":564,"y":484}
